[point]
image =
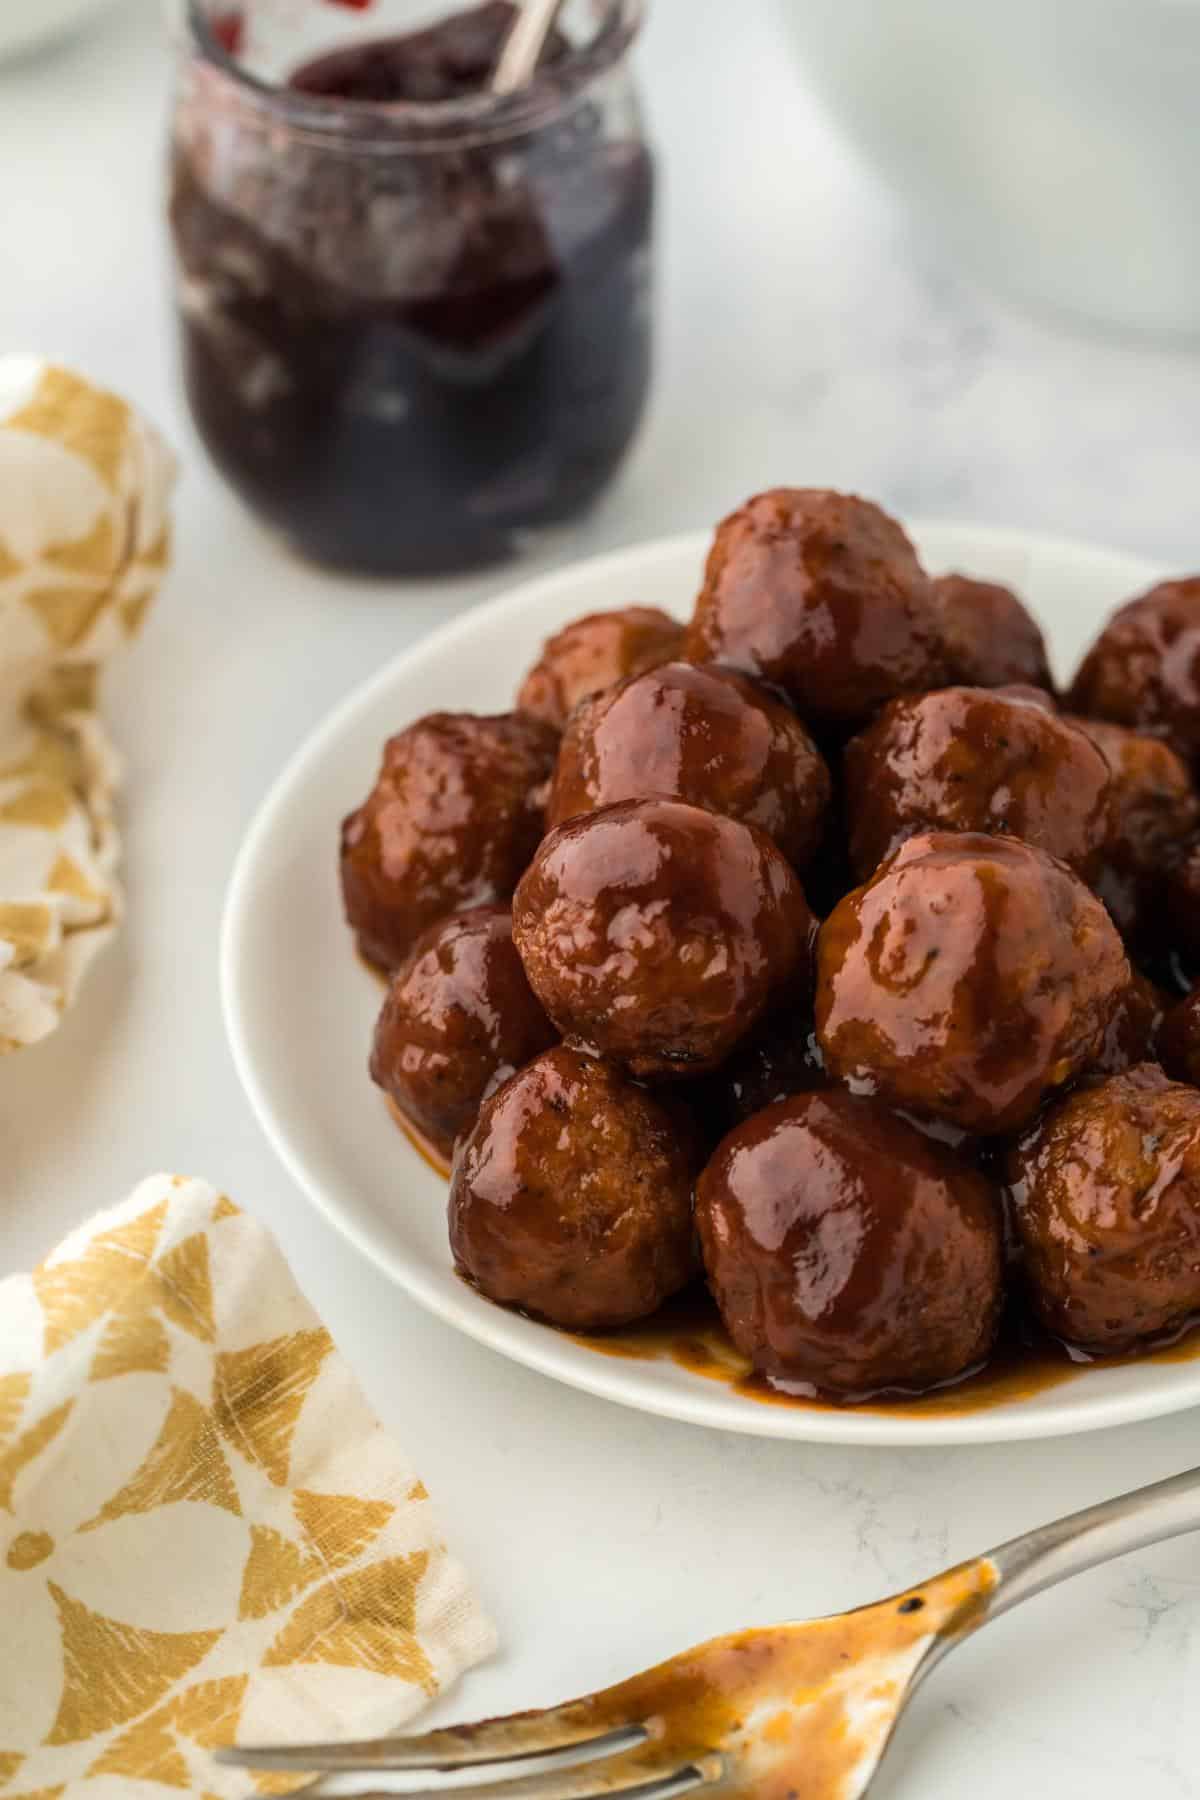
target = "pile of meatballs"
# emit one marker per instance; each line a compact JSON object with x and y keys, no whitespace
{"x":818,"y":947}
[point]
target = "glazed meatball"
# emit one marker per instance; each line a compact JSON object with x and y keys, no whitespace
{"x":1155,"y":809}
{"x":847,"y":1253}
{"x":1106,"y":1193}
{"x":572,"y":1197}
{"x":704,"y":735}
{"x":973,"y":759}
{"x":821,"y":594}
{"x":1134,"y":1029}
{"x":1183,"y":903}
{"x":1144,"y":669}
{"x":590,"y":654}
{"x":451,"y":822}
{"x":659,"y":933}
{"x":459,"y":1018}
{"x":968,"y":979}
{"x":1179,"y":1040}
{"x":991,"y":639}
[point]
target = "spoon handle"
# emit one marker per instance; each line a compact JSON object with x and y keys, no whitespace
{"x":1052,"y":1553}
{"x":519,"y":58}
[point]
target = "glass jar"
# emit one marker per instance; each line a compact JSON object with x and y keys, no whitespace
{"x":413,"y":329}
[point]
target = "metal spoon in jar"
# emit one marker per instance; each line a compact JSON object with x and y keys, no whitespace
{"x":518,"y":60}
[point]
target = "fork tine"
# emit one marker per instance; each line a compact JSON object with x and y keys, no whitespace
{"x":631,"y":1777}
{"x":510,"y":1739}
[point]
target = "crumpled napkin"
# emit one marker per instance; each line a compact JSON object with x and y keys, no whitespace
{"x":84,"y":544}
{"x":205,"y":1534}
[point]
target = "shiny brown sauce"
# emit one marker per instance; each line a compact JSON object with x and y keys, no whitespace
{"x":799,"y":1711}
{"x":793,"y":1710}
{"x":689,"y":1333}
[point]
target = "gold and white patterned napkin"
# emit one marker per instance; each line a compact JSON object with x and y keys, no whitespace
{"x":205,"y":1534}
{"x":84,"y":544}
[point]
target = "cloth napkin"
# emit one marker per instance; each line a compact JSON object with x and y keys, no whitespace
{"x":205,"y":1535}
{"x":84,"y":544}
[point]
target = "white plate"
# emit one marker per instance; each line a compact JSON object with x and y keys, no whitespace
{"x":301,"y":1045}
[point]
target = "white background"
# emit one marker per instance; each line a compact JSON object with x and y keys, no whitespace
{"x":806,"y":336}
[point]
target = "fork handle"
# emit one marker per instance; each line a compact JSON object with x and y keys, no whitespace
{"x":1052,"y":1553}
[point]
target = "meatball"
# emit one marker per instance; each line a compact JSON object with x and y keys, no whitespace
{"x":991,"y":639}
{"x":972,"y":759}
{"x":1179,"y":1040}
{"x":704,"y":735}
{"x":1106,"y":1194}
{"x":822,"y":594}
{"x":1144,"y":669}
{"x":970,"y":977}
{"x":659,"y":933}
{"x":459,"y":1018}
{"x":591,"y":653}
{"x":451,"y":822}
{"x":572,"y":1197}
{"x":1183,"y":903}
{"x":1133,"y":1031}
{"x":1155,"y":809}
{"x":847,"y":1252}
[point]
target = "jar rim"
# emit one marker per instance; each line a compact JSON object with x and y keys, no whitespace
{"x":412,"y":124}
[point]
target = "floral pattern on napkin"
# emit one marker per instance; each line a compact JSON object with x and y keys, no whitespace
{"x":84,"y":545}
{"x":205,"y":1534}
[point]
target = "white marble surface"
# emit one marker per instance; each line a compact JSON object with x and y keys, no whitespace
{"x":806,"y":335}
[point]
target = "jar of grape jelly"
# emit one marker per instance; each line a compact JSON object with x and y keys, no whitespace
{"x":414,"y":317}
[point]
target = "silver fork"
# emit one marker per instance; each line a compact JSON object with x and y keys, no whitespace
{"x":805,"y":1709}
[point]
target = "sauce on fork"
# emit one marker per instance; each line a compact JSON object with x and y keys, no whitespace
{"x":798,"y":1712}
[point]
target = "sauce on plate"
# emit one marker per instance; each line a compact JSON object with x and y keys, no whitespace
{"x":689,"y":1333}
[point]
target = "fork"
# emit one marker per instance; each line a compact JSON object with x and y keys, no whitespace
{"x":803,"y":1711}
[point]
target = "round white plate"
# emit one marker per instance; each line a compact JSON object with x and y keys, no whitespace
{"x":301,"y":1045}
